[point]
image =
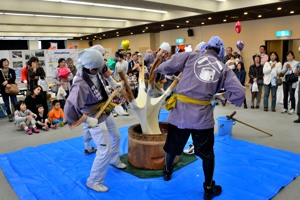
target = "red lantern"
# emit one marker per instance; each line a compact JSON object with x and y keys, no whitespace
{"x":238,"y":27}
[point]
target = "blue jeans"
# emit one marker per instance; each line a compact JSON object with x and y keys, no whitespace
{"x":13,"y":99}
{"x":267,"y":89}
{"x":58,"y":121}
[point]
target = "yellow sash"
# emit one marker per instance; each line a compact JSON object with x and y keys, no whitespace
{"x":171,"y":103}
{"x":110,"y":106}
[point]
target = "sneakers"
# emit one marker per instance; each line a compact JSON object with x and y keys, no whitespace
{"x":167,"y":174}
{"x":291,"y":111}
{"x":53,"y":126}
{"x":35,"y":130}
{"x":190,"y":150}
{"x":29,"y":132}
{"x":45,"y":128}
{"x":121,"y":166}
{"x":93,"y":150}
{"x":245,"y":106}
{"x":284,"y":111}
{"x":61,"y":124}
{"x":98,"y":187}
{"x":210,"y":191}
{"x":10,"y":118}
{"x":273,"y":110}
{"x":266,"y":109}
{"x":126,"y":113}
{"x":297,"y":120}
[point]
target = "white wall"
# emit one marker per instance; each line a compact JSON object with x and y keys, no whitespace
{"x":254,"y":33}
{"x":33,"y":44}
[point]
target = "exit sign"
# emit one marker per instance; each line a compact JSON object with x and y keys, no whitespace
{"x":180,"y":41}
{"x":284,"y":33}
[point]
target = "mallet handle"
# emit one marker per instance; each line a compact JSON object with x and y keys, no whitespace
{"x":231,"y":116}
{"x":265,"y":132}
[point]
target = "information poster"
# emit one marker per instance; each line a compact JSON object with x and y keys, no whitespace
{"x":52,"y":57}
{"x":17,"y":58}
{"x":48,"y":59}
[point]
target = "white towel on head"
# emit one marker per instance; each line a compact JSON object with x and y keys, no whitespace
{"x":165,"y":46}
{"x":99,"y":48}
{"x":89,"y":59}
{"x":198,"y":46}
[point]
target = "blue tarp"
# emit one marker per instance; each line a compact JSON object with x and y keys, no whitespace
{"x":59,"y":171}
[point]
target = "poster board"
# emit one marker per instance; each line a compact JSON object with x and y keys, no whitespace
{"x":48,"y":59}
{"x":18,"y":59}
{"x":52,"y":56}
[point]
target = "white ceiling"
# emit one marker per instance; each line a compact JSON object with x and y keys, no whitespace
{"x":65,"y":18}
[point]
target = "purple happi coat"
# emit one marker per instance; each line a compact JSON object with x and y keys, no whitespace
{"x":149,"y":59}
{"x":203,"y":75}
{"x":84,"y":97}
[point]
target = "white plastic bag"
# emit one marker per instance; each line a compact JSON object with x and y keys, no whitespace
{"x":43,"y":83}
{"x":61,"y":93}
{"x":254,"y":87}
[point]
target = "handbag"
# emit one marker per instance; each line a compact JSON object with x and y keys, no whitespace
{"x":13,"y":89}
{"x":279,"y":81}
{"x":291,"y":78}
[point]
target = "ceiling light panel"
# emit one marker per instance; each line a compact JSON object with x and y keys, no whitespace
{"x":65,"y":17}
{"x":108,"y":6}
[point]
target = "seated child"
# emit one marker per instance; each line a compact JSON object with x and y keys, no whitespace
{"x":56,"y":115}
{"x":42,"y":121}
{"x":25,"y":119}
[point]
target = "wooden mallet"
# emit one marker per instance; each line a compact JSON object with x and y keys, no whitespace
{"x":84,"y":116}
{"x":246,"y":124}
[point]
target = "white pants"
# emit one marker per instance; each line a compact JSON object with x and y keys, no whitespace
{"x":107,"y":142}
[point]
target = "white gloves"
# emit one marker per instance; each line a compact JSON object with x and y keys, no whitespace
{"x":113,"y":83}
{"x":92,"y":122}
{"x":219,"y":96}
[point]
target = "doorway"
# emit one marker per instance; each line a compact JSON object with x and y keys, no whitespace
{"x":282,"y":47}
